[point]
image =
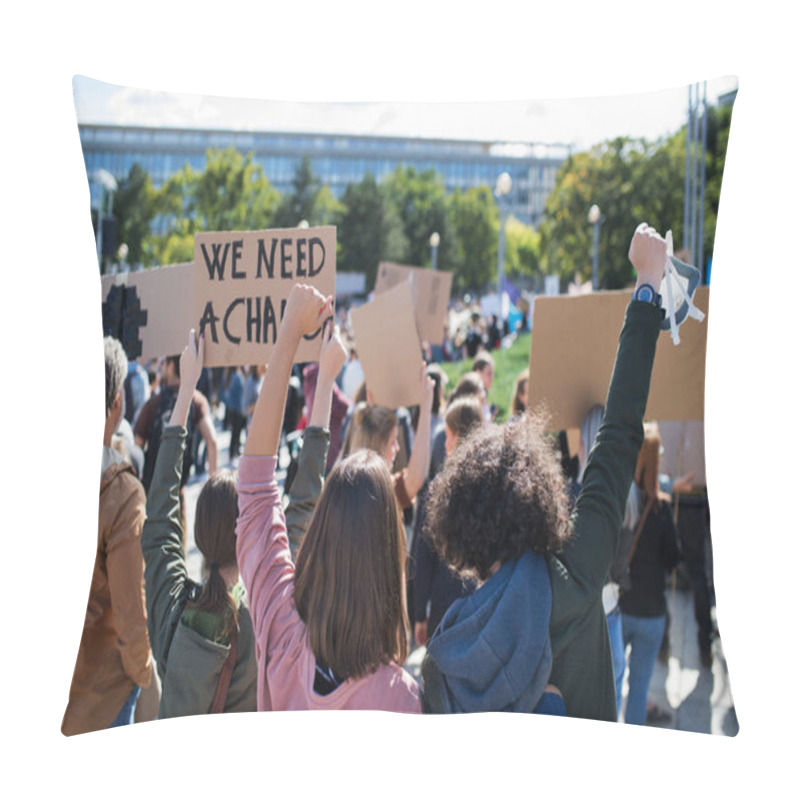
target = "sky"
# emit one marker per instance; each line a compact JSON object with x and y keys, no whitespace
{"x":420,"y":51}
{"x":576,"y":121}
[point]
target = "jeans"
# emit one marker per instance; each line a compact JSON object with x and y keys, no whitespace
{"x":614,"y":620}
{"x":125,"y":716}
{"x":644,"y":635}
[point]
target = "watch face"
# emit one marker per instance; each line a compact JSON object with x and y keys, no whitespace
{"x":645,"y":293}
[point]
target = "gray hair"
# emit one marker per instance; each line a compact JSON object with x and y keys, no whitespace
{"x":116,"y":369}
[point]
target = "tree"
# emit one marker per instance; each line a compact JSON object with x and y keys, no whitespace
{"x":475,"y":226}
{"x":134,"y":209}
{"x":420,"y":202}
{"x":368,"y":230}
{"x":522,"y":250}
{"x":631,"y":180}
{"x":300,"y":203}
{"x":232,"y":193}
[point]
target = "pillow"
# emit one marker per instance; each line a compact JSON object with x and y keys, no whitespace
{"x":430,"y":177}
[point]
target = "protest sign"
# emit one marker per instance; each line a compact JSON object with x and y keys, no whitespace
{"x":573,"y":347}
{"x":151,"y":311}
{"x":430,"y":292}
{"x":389,"y":348}
{"x":242,"y":282}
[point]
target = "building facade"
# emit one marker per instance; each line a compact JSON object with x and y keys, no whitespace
{"x":336,"y":159}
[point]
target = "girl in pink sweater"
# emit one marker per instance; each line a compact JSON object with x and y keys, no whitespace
{"x":332,"y":632}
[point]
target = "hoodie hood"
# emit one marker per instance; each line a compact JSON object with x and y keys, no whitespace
{"x":492,"y":649}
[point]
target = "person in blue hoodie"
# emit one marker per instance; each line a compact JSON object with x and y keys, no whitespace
{"x":499,"y":511}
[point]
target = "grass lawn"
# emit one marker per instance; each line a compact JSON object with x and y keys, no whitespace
{"x":508,"y":364}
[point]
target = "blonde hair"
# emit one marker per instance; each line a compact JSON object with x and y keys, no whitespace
{"x":370,"y":428}
{"x":462,"y":415}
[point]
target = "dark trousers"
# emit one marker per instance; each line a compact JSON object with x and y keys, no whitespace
{"x":693,"y":529}
{"x":238,"y":421}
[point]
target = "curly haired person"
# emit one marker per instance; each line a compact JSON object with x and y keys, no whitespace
{"x":498,"y":511}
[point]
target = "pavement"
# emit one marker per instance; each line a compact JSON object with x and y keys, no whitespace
{"x":696,"y":698}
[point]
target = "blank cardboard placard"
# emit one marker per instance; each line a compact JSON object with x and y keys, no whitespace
{"x":573,"y":347}
{"x":242,"y":282}
{"x":430,"y":293}
{"x":150,"y":312}
{"x":389,"y":348}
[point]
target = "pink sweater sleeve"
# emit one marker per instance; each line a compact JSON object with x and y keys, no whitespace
{"x":265,"y":564}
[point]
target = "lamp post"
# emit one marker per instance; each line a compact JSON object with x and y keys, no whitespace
{"x":434,"y":242}
{"x":596,"y":220}
{"x":501,"y":191}
{"x":107,"y":185}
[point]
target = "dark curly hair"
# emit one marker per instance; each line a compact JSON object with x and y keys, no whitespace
{"x":501,"y":492}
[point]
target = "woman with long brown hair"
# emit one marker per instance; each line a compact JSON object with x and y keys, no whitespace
{"x":654,"y":552}
{"x":333,"y":631}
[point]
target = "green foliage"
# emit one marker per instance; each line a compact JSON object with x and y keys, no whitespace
{"x":232,"y":193}
{"x":301,"y":203}
{"x":522,"y":250}
{"x":475,"y":228}
{"x":631,"y":181}
{"x":508,"y":364}
{"x":368,"y":230}
{"x":420,"y":201}
{"x":134,"y":209}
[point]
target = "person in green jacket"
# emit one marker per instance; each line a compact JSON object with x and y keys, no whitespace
{"x":195,"y":628}
{"x":499,"y":511}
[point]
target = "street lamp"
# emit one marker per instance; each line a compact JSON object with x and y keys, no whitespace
{"x":501,"y":191}
{"x":434,"y":242}
{"x":596,"y":220}
{"x":108,"y":184}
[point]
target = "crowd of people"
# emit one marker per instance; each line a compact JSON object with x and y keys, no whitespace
{"x":526,"y":575}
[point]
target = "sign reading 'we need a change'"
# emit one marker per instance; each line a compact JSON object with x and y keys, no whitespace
{"x":242,"y":282}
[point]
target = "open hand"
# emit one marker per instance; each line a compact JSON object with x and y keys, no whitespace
{"x":192,"y":361}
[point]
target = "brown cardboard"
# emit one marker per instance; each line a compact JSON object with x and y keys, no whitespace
{"x":430,"y":292}
{"x":242,"y":282}
{"x":389,"y":348}
{"x":573,"y":347}
{"x":165,"y":296}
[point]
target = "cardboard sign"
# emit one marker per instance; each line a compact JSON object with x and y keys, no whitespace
{"x":430,"y":292}
{"x":684,"y":448}
{"x":242,"y":282}
{"x":573,"y":346}
{"x":389,"y":348}
{"x":150,"y":312}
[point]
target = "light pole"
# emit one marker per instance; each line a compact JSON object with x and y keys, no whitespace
{"x":107,"y":184}
{"x":434,"y":242}
{"x":501,"y":191}
{"x":596,"y":220}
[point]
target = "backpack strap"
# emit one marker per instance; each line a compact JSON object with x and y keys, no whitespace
{"x":639,"y":529}
{"x":218,"y":705}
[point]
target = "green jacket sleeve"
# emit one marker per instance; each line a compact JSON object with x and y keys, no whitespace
{"x":165,"y":574}
{"x":307,"y":485}
{"x":597,"y":519}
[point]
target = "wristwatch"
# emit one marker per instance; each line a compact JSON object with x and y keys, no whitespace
{"x":647,"y":294}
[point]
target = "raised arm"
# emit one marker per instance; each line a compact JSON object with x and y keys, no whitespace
{"x":166,"y":576}
{"x":420,"y":459}
{"x":307,"y":484}
{"x":306,"y":309}
{"x":600,"y":506}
